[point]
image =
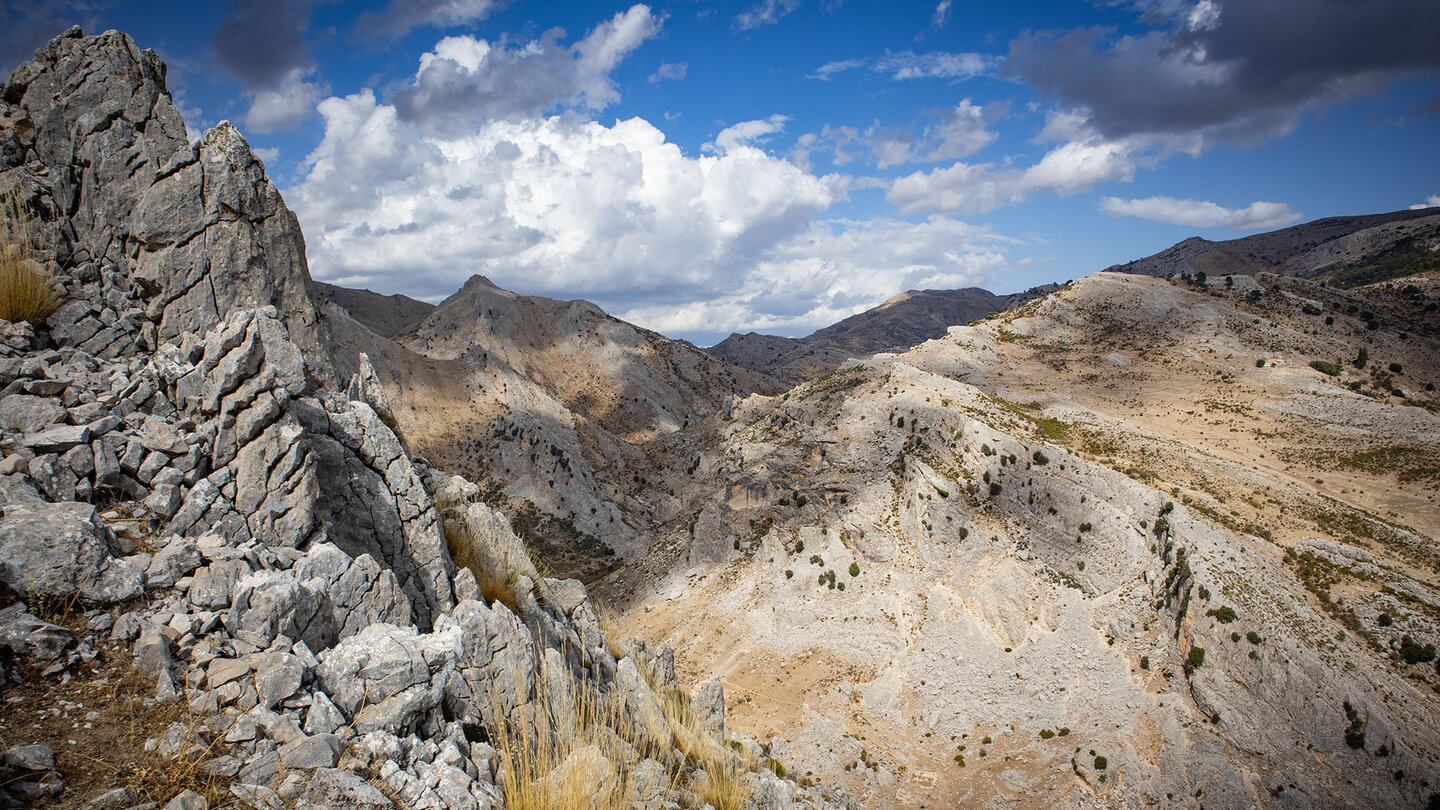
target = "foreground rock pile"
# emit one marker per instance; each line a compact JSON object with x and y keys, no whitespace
{"x":183,"y":479}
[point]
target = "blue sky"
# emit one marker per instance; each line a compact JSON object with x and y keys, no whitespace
{"x":775,"y":165}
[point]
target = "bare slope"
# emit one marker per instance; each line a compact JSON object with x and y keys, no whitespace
{"x":1096,"y":526}
{"x":386,"y":315}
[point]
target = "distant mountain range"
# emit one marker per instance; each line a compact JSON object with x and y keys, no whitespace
{"x":1324,"y":249}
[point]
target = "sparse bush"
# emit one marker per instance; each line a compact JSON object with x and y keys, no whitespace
{"x":801,"y":500}
{"x":1253,"y":637}
{"x":1415,"y":653}
{"x":1085,"y":527}
{"x":1326,"y":367}
{"x":1355,"y":732}
{"x":27,"y":292}
{"x":1144,"y":662}
{"x":1064,"y":731}
{"x":1041,"y":458}
{"x":1223,"y":614}
{"x":964,"y":532}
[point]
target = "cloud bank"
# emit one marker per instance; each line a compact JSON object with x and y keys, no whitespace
{"x":1258,"y":216}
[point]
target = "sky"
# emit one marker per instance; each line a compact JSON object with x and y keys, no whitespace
{"x":701,"y":168}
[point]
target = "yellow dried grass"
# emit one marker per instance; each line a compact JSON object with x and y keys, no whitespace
{"x":27,"y":292}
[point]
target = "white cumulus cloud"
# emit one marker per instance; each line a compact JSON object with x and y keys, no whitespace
{"x":746,"y":132}
{"x":1070,"y":168}
{"x":1201,"y":214}
{"x":465,"y":80}
{"x":1433,"y":201}
{"x":286,"y":104}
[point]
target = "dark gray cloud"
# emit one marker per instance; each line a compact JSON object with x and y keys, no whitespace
{"x":1229,"y":69}
{"x":261,"y":41}
{"x":26,"y":25}
{"x":400,"y":17}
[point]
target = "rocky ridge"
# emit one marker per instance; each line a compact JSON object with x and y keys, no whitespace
{"x":176,"y":433}
{"x":907,"y":320}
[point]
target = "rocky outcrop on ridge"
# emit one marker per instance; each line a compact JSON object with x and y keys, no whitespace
{"x":164,"y":235}
{"x":329,"y":612}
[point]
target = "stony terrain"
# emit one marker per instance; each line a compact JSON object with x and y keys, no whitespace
{"x":961,"y":573}
{"x":211,"y":530}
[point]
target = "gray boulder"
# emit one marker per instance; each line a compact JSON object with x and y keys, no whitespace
{"x":389,"y":678}
{"x":63,"y":549}
{"x":32,"y":639}
{"x":22,"y":413}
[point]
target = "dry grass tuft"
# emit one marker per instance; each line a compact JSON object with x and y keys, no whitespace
{"x":723,"y":785}
{"x":27,"y":292}
{"x":567,"y":752}
{"x":499,"y":579}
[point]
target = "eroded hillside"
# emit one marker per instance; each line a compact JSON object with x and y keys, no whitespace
{"x":1131,"y":543}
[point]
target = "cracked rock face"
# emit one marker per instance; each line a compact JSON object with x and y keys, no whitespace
{"x":165,"y":236}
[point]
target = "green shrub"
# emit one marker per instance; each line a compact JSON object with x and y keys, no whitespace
{"x":1253,"y":637}
{"x":1101,"y":763}
{"x":1325,"y":367}
{"x":1362,"y":358}
{"x":994,"y":490}
{"x":799,"y":546}
{"x":1064,"y":731}
{"x":1395,"y":368}
{"x":1144,"y":662}
{"x":1196,"y":657}
{"x":1046,"y":734}
{"x":854,"y":569}
{"x":1384,"y":620}
{"x":1085,"y":527}
{"x":1260,"y":363}
{"x":1415,"y":653}
{"x":964,"y":532}
{"x":789,"y":574}
{"x":1355,"y":732}
{"x":800,"y":500}
{"x":942,"y":493}
{"x":1041,"y":458}
{"x":1223,"y":614}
